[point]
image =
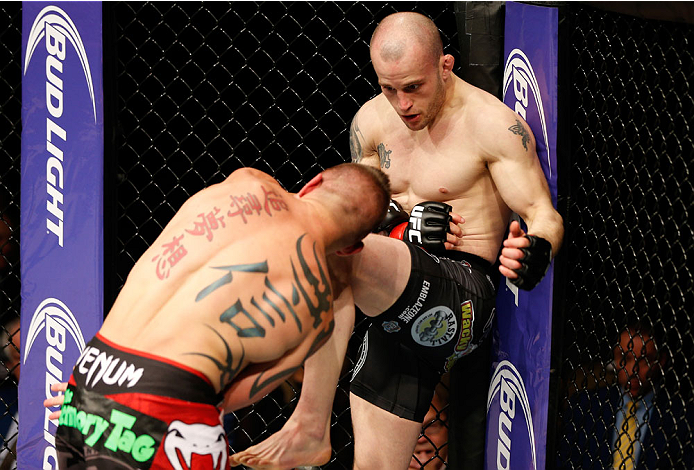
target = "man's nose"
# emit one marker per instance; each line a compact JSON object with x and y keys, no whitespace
{"x":404,"y":101}
{"x":423,"y":439}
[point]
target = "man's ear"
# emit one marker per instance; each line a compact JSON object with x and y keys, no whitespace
{"x":311,"y":185}
{"x":447,"y":62}
{"x":351,"y":250}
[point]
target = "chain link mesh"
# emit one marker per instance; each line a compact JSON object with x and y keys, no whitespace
{"x":10,"y":138}
{"x":629,"y":224}
{"x":204,"y":88}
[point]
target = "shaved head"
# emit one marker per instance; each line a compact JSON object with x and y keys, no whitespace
{"x":406,"y":31}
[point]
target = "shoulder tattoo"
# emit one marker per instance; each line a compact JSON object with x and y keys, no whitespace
{"x":355,"y":139}
{"x":518,"y":129}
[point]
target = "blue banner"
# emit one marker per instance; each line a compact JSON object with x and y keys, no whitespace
{"x":61,"y":207}
{"x":518,"y":397}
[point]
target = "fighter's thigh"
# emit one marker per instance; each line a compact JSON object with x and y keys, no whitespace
{"x":381,"y":439}
{"x":380,"y":273}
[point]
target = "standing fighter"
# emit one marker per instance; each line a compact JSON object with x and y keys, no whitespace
{"x":445,"y":144}
{"x":228,"y":302}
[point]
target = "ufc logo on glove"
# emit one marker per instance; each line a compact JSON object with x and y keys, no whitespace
{"x":416,"y":225}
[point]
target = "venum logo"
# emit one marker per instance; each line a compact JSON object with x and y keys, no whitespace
{"x":55,"y":319}
{"x":54,"y":28}
{"x":188,"y":439}
{"x":508,"y":388}
{"x":97,"y":366}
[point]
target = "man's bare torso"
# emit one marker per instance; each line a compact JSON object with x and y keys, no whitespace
{"x":232,"y":282}
{"x":446,"y":162}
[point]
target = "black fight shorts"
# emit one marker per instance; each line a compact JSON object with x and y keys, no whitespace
{"x":444,"y":313}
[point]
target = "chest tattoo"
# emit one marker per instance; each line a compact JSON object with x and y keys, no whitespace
{"x":384,"y":155}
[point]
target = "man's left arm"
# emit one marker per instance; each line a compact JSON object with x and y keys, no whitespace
{"x":517,"y":174}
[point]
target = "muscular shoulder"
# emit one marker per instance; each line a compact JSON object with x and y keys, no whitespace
{"x":500,"y":131}
{"x":250,"y":174}
{"x":367,"y":128}
{"x":244,"y":199}
{"x":257,"y":184}
{"x":376,"y":108}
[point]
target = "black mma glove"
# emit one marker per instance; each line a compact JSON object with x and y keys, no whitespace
{"x":395,"y":216}
{"x":534,"y":264}
{"x":427,"y":227}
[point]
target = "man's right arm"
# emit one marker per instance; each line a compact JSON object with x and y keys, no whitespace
{"x":516,"y":171}
{"x":361,"y":145}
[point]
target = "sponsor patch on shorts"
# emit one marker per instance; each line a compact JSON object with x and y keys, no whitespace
{"x":464,"y":345}
{"x":411,"y":311}
{"x":110,"y":428}
{"x":391,"y":326}
{"x":112,"y":432}
{"x":435,"y":327}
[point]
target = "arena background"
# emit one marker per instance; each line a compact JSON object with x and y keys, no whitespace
{"x":200,"y":89}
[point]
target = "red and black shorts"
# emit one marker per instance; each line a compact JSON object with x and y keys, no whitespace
{"x":445,"y":313}
{"x":125,"y":409}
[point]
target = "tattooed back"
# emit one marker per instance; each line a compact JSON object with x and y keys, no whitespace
{"x":235,"y":286}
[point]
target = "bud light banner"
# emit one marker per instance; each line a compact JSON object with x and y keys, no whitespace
{"x":61,"y":207}
{"x":518,"y":396}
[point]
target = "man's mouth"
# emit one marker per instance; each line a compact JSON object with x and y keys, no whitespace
{"x":409,"y":117}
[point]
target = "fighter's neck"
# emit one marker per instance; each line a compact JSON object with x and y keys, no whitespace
{"x":321,"y":224}
{"x":456,"y":93}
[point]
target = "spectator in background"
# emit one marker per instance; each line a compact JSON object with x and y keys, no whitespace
{"x":9,"y":332}
{"x":9,"y":251}
{"x":8,"y":238}
{"x":632,"y":423}
{"x":9,"y":341}
{"x":431,"y":451}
